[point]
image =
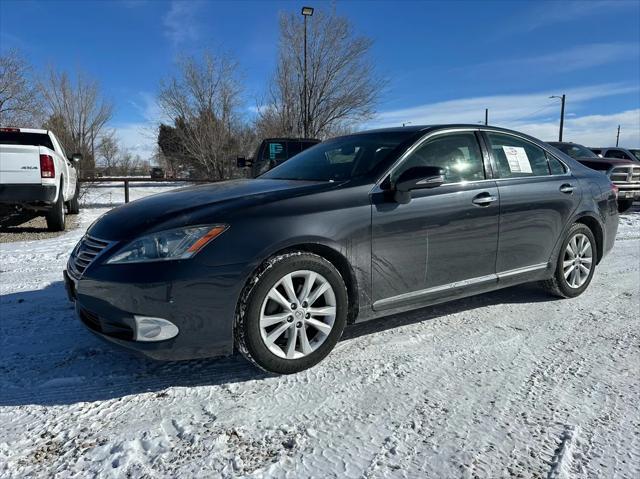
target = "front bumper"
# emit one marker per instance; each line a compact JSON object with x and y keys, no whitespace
{"x":200,"y":301}
{"x":16,"y":194}
{"x":626,"y":193}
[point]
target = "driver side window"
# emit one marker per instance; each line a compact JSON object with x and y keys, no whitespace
{"x":458,"y":154}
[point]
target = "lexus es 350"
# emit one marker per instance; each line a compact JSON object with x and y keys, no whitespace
{"x":354,"y":228}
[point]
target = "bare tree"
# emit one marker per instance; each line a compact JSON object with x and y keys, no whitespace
{"x":108,"y":151}
{"x":203,"y":101}
{"x":19,"y":100}
{"x":342,"y":88}
{"x":77,"y":112}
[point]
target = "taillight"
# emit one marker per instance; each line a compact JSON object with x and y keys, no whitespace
{"x":615,"y":190}
{"x":47,"y":170}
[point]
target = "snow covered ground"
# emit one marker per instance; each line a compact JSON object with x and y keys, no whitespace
{"x":508,"y":384}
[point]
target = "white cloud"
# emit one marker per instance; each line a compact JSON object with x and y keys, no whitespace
{"x":577,"y":58}
{"x":502,"y":108}
{"x":544,"y":14}
{"x":590,"y":130}
{"x":532,"y":113}
{"x":138,"y":138}
{"x":180,"y":22}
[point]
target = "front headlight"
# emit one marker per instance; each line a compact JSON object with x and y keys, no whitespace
{"x":179,"y":243}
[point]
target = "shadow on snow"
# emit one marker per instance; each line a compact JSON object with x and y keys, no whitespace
{"x":48,"y":357}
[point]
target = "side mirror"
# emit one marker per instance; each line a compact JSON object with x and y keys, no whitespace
{"x":76,"y":157}
{"x":418,"y":177}
{"x":242,"y":162}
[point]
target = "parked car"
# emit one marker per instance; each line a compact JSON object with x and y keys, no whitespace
{"x":625,"y":174}
{"x":619,"y":153}
{"x":157,"y":173}
{"x":37,"y":175}
{"x":351,"y":229}
{"x":273,"y":151}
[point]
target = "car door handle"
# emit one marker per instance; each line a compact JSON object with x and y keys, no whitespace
{"x":484,"y":199}
{"x":566,"y":188}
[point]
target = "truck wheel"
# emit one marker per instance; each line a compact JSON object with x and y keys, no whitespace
{"x":55,"y":216}
{"x":624,"y":205}
{"x":73,"y":205}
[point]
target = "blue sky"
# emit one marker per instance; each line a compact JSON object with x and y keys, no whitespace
{"x":444,"y":61}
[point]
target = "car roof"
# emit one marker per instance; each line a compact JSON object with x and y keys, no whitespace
{"x":292,"y":139}
{"x":443,"y":126}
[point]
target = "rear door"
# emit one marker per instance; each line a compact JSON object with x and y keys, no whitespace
{"x":538,"y":195}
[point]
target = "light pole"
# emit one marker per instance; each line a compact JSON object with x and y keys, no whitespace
{"x":486,"y":116}
{"x":562,"y":98}
{"x":618,"y":136}
{"x":306,"y":12}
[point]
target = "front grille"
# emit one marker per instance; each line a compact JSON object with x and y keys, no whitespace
{"x":84,"y":253}
{"x":625,"y":174}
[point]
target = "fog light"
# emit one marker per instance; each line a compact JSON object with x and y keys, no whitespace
{"x":150,"y":329}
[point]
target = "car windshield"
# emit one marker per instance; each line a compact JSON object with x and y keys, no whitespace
{"x":576,"y":151}
{"x":341,"y":158}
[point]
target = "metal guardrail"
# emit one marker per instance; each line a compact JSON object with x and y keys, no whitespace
{"x":126,"y":181}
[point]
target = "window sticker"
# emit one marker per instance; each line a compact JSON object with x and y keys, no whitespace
{"x":518,"y":159}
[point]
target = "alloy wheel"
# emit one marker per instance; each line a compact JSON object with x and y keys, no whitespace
{"x":577,"y":261}
{"x":297,"y":314}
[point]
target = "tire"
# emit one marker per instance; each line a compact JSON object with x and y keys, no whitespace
{"x":73,"y":205}
{"x":256,"y":309}
{"x":624,"y":205}
{"x":55,"y":216}
{"x":564,"y":283}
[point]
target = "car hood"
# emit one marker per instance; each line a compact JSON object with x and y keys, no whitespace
{"x":183,"y":206}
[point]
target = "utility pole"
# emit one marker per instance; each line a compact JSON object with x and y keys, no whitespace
{"x":562,"y":98}
{"x":486,"y":116}
{"x":618,"y":136}
{"x":306,"y":12}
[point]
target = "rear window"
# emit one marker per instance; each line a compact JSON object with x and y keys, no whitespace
{"x":27,"y":139}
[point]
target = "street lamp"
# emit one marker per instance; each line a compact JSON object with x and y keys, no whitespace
{"x":306,"y":12}
{"x":562,"y":98}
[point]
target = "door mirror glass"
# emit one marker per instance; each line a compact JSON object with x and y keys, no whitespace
{"x":242,"y":162}
{"x":420,"y":177}
{"x":76,"y":157}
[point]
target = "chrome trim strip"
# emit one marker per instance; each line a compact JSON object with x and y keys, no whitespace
{"x":415,"y":295}
{"x":391,"y":301}
{"x":526,"y":269}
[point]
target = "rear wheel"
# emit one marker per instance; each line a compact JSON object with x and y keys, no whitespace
{"x":292,"y":314}
{"x":55,"y":216}
{"x":73,"y":205}
{"x":576,"y":263}
{"x":624,"y":205}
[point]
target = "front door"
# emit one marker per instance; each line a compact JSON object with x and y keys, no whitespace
{"x":446,"y":237}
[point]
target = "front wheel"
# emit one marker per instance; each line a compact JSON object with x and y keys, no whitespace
{"x":292,"y":313}
{"x":576,"y":263}
{"x":624,"y":205}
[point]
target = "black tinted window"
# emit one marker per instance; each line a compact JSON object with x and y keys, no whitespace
{"x":294,"y":147}
{"x":458,"y":154}
{"x":556,"y":166}
{"x":516,"y":158}
{"x":341,"y":158}
{"x":617,"y":154}
{"x":29,"y":139}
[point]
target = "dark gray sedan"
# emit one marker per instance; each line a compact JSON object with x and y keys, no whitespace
{"x":354,"y":228}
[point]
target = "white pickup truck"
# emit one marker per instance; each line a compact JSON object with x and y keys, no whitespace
{"x":36,"y":175}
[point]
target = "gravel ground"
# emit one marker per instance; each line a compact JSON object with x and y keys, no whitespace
{"x":29,"y":228}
